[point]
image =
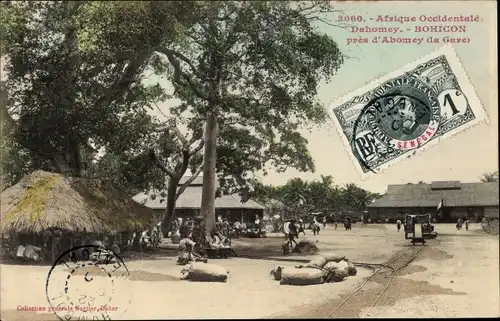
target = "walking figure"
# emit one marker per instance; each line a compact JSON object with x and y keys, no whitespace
{"x":398,"y":224}
{"x":467,"y":224}
{"x":301,"y":227}
{"x":293,"y":233}
{"x":324,"y":222}
{"x":315,"y":227}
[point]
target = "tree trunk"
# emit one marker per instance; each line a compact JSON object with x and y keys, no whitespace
{"x":79,"y":162}
{"x":209,"y":172}
{"x":170,"y":208}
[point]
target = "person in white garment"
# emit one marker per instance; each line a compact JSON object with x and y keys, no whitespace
{"x":286,"y":229}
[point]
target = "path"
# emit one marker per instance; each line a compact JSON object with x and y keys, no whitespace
{"x":455,"y":275}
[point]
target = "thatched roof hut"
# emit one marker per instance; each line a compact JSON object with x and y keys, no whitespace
{"x":43,"y":200}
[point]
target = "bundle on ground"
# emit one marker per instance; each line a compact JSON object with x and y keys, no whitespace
{"x":302,"y":276}
{"x":206,"y":272}
{"x":276,"y":273}
{"x":338,"y":271}
{"x":317,"y":262}
{"x":351,"y":269}
{"x":333,"y":257}
{"x":332,"y":266}
{"x":339,"y":275}
{"x":306,"y":247}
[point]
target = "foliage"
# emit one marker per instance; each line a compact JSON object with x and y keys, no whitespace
{"x":74,"y":74}
{"x":489,"y":177}
{"x":301,"y":197}
{"x":256,"y":67}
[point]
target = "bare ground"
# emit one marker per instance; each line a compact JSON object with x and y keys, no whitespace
{"x":455,"y":275}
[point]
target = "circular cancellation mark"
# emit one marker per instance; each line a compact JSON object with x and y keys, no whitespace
{"x":88,"y":282}
{"x":402,"y":118}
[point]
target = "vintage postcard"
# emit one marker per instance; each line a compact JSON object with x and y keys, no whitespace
{"x":406,"y":111}
{"x":190,"y":160}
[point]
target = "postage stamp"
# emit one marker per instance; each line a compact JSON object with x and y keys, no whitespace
{"x":406,"y":111}
{"x":88,"y":282}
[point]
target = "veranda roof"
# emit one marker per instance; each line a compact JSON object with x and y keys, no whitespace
{"x":191,"y":199}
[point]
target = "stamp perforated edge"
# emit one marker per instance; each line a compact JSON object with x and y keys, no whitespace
{"x":466,"y":86}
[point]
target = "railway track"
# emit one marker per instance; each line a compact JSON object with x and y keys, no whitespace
{"x":394,"y":265}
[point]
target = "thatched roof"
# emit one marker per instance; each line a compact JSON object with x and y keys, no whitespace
{"x":45,"y":200}
{"x":191,"y":199}
{"x":453,"y":194}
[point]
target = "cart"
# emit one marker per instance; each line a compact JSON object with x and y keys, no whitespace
{"x":417,"y":228}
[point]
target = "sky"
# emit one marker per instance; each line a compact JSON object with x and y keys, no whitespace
{"x":465,"y":156}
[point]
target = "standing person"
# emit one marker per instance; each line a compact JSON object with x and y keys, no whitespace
{"x":301,"y":227}
{"x":257,"y":223}
{"x":398,"y":224}
{"x":315,"y":226}
{"x":219,"y":225}
{"x":225,"y":227}
{"x":292,"y":233}
{"x":466,"y":224}
{"x":335,"y":224}
{"x":286,"y":229}
{"x":199,"y":235}
{"x":324,"y":222}
{"x":236,"y":227}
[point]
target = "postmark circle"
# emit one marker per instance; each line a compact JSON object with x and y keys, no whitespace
{"x":399,"y":115}
{"x":88,"y":282}
{"x":405,"y":116}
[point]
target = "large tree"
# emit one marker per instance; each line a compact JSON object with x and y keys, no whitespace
{"x":157,"y":163}
{"x":75,"y":70}
{"x":250,"y":70}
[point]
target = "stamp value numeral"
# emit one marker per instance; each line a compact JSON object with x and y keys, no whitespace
{"x":449,"y":102}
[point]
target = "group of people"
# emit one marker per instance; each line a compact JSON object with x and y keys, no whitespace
{"x":461,"y":222}
{"x":193,"y":238}
{"x":292,"y":229}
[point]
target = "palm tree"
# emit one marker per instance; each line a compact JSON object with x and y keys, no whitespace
{"x":490,"y":177}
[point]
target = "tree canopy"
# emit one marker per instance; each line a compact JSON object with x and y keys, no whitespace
{"x":246,"y":71}
{"x":323,"y":195}
{"x":250,"y":71}
{"x":489,"y":177}
{"x":74,"y":72}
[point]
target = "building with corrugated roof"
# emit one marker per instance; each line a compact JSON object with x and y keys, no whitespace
{"x":189,"y":204}
{"x":471,"y":200}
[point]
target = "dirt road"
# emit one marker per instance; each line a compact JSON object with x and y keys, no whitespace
{"x":455,"y":275}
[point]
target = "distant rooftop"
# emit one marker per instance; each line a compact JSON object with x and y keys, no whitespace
{"x":453,"y":194}
{"x":191,"y":198}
